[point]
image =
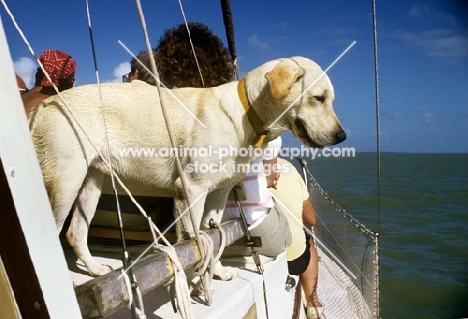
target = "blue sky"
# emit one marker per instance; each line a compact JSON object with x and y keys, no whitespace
{"x":423,"y":55}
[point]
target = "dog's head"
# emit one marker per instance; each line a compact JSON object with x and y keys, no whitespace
{"x":299,"y":96}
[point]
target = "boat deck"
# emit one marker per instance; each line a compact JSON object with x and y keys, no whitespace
{"x":333,"y":290}
{"x":235,"y":298}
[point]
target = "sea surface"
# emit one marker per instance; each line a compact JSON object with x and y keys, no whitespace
{"x":423,"y":225}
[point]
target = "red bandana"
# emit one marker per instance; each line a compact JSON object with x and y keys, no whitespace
{"x":58,"y":65}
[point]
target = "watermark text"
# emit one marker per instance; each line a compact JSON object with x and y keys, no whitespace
{"x":220,"y":153}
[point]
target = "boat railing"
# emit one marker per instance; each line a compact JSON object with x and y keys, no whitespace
{"x":349,"y":245}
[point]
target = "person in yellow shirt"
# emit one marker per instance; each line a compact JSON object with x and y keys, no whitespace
{"x":292,"y":198}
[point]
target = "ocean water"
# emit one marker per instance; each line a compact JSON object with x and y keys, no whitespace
{"x":423,"y":226}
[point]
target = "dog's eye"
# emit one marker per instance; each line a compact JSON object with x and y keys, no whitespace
{"x":320,"y":98}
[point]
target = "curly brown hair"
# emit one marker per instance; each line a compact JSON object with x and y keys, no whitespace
{"x":177,"y":65}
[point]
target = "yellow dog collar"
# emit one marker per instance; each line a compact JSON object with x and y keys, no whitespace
{"x":254,"y":120}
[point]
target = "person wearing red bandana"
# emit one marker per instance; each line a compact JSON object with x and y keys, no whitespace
{"x":61,"y":69}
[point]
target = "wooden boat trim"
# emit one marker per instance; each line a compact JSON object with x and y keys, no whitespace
{"x":103,"y":295}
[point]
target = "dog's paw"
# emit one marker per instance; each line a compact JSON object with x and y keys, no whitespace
{"x":196,"y":287}
{"x":224,"y":273}
{"x":99,"y":270}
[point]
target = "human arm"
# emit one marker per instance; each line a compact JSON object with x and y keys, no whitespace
{"x":272,"y":173}
{"x":308,"y":213}
{"x":270,"y":160}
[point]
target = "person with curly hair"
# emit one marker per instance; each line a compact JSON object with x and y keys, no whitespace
{"x":176,"y":62}
{"x":175,"y":53}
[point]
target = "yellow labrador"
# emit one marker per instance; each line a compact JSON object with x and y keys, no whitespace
{"x":69,"y":145}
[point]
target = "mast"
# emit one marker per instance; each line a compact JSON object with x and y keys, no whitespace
{"x":229,"y":27}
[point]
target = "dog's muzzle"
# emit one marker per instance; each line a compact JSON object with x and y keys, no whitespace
{"x":339,"y":137}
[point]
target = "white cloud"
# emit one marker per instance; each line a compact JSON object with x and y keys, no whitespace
{"x":257,"y":43}
{"x":443,"y":43}
{"x":26,"y":68}
{"x":427,"y":116}
{"x":421,"y":12}
{"x":121,"y":69}
{"x":394,"y":115}
{"x":281,"y":26}
{"x":418,"y":10}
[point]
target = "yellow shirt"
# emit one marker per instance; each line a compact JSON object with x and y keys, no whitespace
{"x":290,"y":194}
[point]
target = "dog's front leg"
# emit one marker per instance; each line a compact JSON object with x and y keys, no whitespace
{"x":214,"y":209}
{"x":214,"y":206}
{"x":189,"y":207}
{"x":83,"y":212}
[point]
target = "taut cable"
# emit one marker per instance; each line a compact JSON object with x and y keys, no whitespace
{"x":377,"y":118}
{"x":180,"y":170}
{"x":136,"y":301}
{"x":191,"y":43}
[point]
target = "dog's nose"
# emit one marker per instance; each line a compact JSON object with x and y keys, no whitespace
{"x":340,"y":136}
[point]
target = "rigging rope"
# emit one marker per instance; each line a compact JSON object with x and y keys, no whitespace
{"x":222,"y":234}
{"x":140,"y":313}
{"x":207,"y":243}
{"x":57,"y":91}
{"x":195,"y":227}
{"x":136,"y":302}
{"x":377,"y":117}
{"x":183,"y":303}
{"x":106,"y":136}
{"x":72,"y":115}
{"x":112,"y":172}
{"x":31,"y":50}
{"x":191,"y":43}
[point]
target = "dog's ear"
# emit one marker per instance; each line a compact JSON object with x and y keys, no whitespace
{"x":282,"y":78}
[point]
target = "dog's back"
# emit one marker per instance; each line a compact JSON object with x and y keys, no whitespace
{"x":71,"y":137}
